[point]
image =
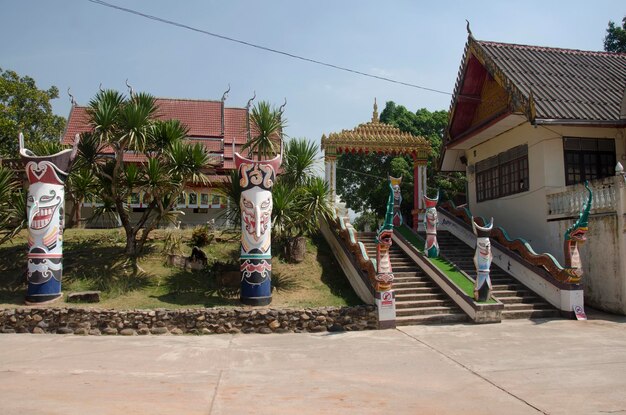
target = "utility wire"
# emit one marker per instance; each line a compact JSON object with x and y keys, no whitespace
{"x":267,"y":49}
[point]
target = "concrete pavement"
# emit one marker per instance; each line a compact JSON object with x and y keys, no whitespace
{"x":517,"y":367}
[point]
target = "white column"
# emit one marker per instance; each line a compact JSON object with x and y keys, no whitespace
{"x":620,"y":211}
{"x":331,"y":177}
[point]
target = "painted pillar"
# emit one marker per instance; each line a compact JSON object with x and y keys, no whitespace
{"x":431,"y":248}
{"x":383,"y":283}
{"x":419,"y":185}
{"x":256,"y":179}
{"x":575,"y":236}
{"x":482,"y":261}
{"x":45,"y":214}
{"x":397,"y":200}
{"x":330,"y":161}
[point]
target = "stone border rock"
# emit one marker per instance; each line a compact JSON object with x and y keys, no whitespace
{"x":93,"y":321}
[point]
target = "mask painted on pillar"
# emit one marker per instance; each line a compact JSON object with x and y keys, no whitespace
{"x":482,"y":261}
{"x":256,"y":179}
{"x":431,"y":248}
{"x":397,"y":200}
{"x":384,"y":274}
{"x":575,"y":236}
{"x":45,"y":210}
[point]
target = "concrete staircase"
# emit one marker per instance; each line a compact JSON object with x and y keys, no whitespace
{"x":418,"y":299}
{"x":519,"y":302}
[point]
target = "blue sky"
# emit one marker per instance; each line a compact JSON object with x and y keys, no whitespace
{"x":79,"y":44}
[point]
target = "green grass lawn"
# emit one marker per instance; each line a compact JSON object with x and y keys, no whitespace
{"x":94,"y":260}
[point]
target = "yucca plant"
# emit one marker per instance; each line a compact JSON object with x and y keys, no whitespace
{"x":268,"y":125}
{"x":12,"y":205}
{"x":299,"y":161}
{"x":81,"y":184}
{"x":232,"y":191}
{"x":127,"y":124}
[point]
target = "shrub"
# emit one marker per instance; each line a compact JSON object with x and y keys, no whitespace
{"x":201,"y":236}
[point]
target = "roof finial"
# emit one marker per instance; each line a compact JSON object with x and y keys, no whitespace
{"x":375,"y":114}
{"x":130,"y":89}
{"x":282,"y":108}
{"x":225,"y":94}
{"x":250,"y":101}
{"x":72,"y":100}
{"x":469,"y":31}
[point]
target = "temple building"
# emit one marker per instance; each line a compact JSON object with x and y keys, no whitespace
{"x":529,"y":125}
{"x":377,"y":137}
{"x":210,"y":123}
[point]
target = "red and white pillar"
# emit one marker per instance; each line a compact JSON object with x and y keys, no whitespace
{"x":419,"y":187}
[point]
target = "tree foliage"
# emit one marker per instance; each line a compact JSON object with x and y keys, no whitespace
{"x":268,"y":125}
{"x":26,"y":108}
{"x":127,"y":125}
{"x":12,"y":205}
{"x":361,"y":179}
{"x":615,"y":39}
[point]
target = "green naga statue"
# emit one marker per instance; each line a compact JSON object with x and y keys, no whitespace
{"x":384,"y":275}
{"x":575,"y":235}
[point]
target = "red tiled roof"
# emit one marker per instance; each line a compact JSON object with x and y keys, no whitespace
{"x":235,"y":126}
{"x":135,"y":158}
{"x":203,"y":118}
{"x":77,"y":123}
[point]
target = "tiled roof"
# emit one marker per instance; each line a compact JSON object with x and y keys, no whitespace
{"x":77,"y":123}
{"x":565,"y":83}
{"x":203,"y":118}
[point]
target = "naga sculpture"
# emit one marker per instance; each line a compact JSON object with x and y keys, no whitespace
{"x":482,"y":261}
{"x":45,"y":213}
{"x":575,"y":235}
{"x":431,"y":249}
{"x":384,"y":275}
{"x":397,"y":200}
{"x":256,"y":179}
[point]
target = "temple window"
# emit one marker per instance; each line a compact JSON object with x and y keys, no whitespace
{"x":588,"y":159}
{"x":502,"y":175}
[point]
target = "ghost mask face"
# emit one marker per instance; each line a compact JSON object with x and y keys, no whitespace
{"x":256,"y":213}
{"x":43,"y":205}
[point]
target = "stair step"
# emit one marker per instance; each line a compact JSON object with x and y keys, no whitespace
{"x":518,"y":299}
{"x":528,"y":306}
{"x":515,"y":314}
{"x":405,"y":296}
{"x":415,"y":284}
{"x":417,"y":290}
{"x":402,"y":304}
{"x":432,"y":319}
{"x":510,"y":293}
{"x":426,"y":311}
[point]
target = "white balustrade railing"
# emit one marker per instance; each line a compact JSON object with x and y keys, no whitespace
{"x":571,"y":200}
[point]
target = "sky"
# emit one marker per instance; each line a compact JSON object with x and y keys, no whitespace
{"x":78,"y":44}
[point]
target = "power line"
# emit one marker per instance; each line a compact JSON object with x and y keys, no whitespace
{"x":267,"y":49}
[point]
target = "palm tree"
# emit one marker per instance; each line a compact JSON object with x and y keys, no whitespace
{"x":299,"y":161}
{"x":268,"y":125}
{"x":81,"y":184}
{"x":127,"y":124}
{"x":232,"y":191}
{"x":12,"y":205}
{"x":300,"y":198}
